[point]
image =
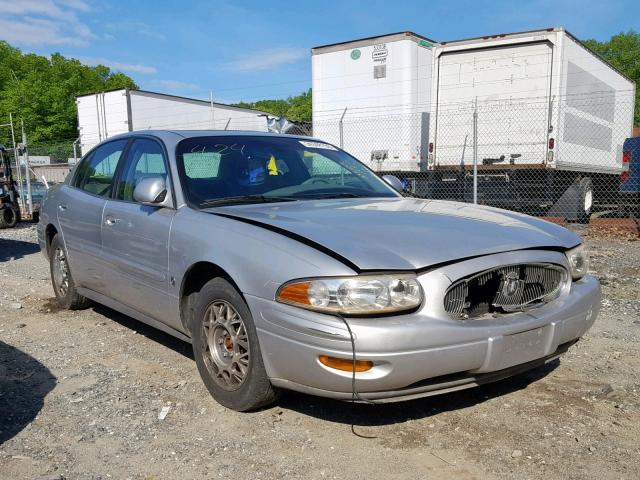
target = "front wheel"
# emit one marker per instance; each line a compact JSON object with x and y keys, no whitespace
{"x":226,"y":349}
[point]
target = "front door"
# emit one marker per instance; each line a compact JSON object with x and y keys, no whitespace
{"x":136,"y":237}
{"x":80,"y":206}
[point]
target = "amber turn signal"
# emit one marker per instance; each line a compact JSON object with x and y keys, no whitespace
{"x":296,"y":293}
{"x":346,"y":365}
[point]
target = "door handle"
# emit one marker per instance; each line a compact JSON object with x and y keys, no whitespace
{"x":62,"y":207}
{"x":111,"y":221}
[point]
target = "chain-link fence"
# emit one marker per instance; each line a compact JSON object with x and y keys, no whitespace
{"x":565,"y":157}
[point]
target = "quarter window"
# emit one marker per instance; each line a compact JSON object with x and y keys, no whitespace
{"x":95,"y":173}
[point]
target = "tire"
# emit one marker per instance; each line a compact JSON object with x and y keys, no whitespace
{"x":226,"y":349}
{"x":66,"y":293}
{"x":9,"y":216}
{"x":585,"y":200}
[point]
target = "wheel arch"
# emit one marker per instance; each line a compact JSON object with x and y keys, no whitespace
{"x":195,"y":277}
{"x":50,"y":231}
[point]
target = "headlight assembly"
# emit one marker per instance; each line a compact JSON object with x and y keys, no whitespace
{"x":578,"y":261}
{"x":357,"y":295}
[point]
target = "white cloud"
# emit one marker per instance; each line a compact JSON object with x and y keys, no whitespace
{"x":139,"y":28}
{"x":44,"y":22}
{"x":267,"y":59}
{"x":125,"y":67}
{"x":176,"y":85}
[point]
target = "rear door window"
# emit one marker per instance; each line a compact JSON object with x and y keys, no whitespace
{"x":95,"y":174}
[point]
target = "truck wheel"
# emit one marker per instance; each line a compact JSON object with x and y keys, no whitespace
{"x":585,"y":200}
{"x":9,"y":217}
{"x":226,"y":349}
{"x":61,"y":279}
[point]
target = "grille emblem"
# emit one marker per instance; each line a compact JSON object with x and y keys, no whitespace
{"x":511,"y":285}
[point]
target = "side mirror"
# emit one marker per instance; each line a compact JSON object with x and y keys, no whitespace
{"x":151,"y":191}
{"x":394,"y":181}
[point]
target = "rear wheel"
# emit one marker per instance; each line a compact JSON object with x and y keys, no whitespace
{"x":226,"y":348}
{"x":63,"y":285}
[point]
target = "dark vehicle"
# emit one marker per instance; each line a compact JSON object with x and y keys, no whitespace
{"x":9,"y":207}
{"x":630,"y":178}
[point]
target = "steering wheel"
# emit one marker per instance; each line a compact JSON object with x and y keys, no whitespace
{"x":313,"y":181}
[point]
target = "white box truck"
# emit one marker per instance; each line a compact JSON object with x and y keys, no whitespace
{"x":105,"y":114}
{"x":372,"y":97}
{"x":551,"y":121}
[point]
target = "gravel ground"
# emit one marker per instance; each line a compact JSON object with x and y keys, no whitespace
{"x":81,"y":393}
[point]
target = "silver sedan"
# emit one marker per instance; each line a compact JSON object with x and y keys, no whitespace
{"x":288,"y":264}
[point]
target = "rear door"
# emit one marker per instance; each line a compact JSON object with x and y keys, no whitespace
{"x":80,"y":209}
{"x":136,"y":236}
{"x":511,"y":84}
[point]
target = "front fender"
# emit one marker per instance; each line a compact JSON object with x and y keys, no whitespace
{"x":258,"y":260}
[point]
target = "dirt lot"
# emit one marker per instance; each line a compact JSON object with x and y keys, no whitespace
{"x":80,"y":394}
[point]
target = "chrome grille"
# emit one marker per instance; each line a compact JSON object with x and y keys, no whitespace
{"x":504,"y":289}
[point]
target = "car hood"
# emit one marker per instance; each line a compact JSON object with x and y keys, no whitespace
{"x":402,"y":233}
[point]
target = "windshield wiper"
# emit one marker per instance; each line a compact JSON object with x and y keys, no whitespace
{"x":241,"y":199}
{"x":333,"y":195}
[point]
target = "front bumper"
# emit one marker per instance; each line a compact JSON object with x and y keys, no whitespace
{"x":425,"y":352}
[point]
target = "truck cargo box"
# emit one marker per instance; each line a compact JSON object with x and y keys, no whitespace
{"x":103,"y":115}
{"x":382,"y":87}
{"x":542,"y":99}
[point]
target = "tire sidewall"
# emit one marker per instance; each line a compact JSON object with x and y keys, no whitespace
{"x":66,"y":300}
{"x":248,"y":396}
{"x":9,"y":217}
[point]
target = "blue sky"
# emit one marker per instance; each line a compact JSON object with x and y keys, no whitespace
{"x":249,"y":50}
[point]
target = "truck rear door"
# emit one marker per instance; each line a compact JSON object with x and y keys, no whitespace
{"x":512,"y":86}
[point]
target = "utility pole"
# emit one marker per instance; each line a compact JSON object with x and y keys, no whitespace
{"x":213,"y":122}
{"x":25,"y":158}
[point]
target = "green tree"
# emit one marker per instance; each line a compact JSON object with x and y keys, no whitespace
{"x":623,"y":52}
{"x":296,"y":108}
{"x":42,"y":91}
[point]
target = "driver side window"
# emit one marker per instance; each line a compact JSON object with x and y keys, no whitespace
{"x":145,"y":159}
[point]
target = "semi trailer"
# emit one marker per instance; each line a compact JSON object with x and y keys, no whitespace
{"x":372,"y":97}
{"x":543,"y":118}
{"x":105,"y":114}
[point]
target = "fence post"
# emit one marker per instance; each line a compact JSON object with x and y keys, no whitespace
{"x":475,"y":151}
{"x":18,"y":166}
{"x":75,"y":150}
{"x":340,"y":124}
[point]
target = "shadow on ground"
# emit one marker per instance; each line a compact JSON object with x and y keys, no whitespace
{"x":391,"y":413}
{"x":151,"y":333}
{"x":14,"y":249}
{"x":24,"y":383}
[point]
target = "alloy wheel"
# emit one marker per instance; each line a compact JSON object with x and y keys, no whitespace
{"x":61,"y":272}
{"x":226,"y":345}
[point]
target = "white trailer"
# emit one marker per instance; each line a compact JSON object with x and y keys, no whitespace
{"x":551,"y":121}
{"x":105,"y":114}
{"x":372,"y":97}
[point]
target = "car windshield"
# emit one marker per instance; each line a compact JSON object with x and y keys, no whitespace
{"x":228,"y":170}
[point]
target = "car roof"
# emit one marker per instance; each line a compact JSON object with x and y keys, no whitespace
{"x":172,"y":137}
